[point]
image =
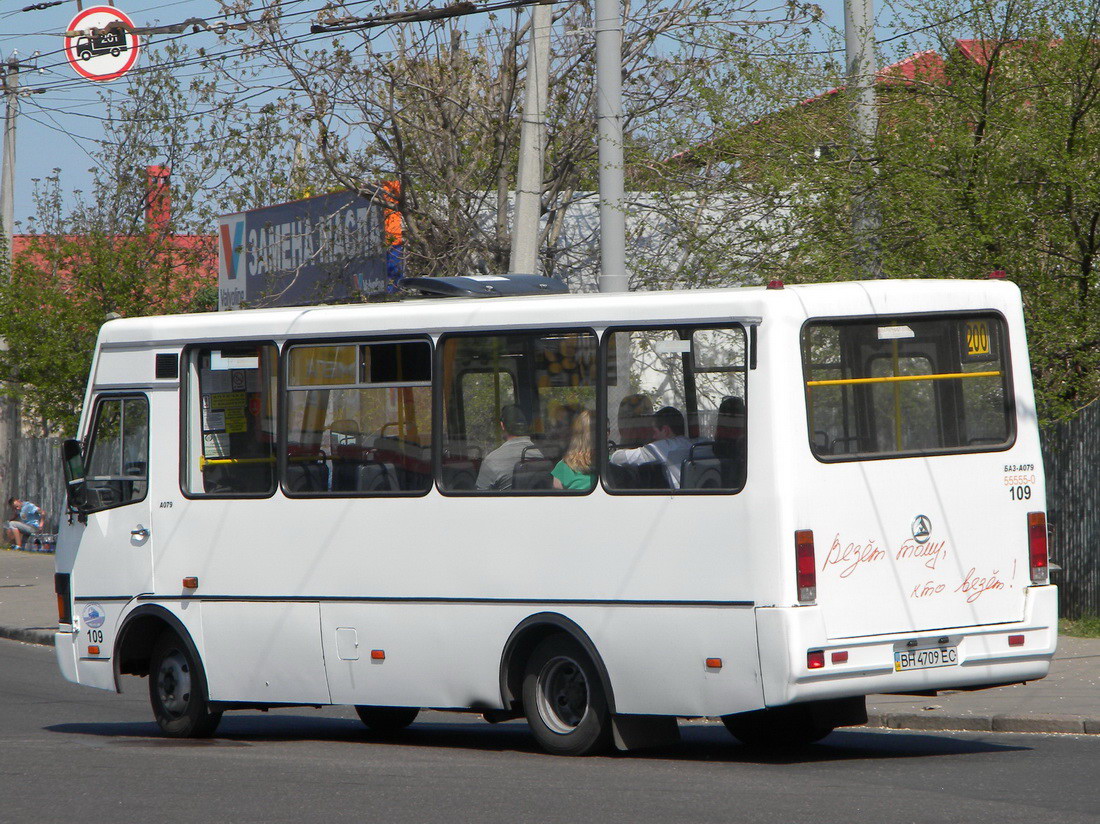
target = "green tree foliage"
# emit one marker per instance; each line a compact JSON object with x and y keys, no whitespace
{"x":85,"y":256}
{"x":984,"y":160}
{"x":62,"y":288}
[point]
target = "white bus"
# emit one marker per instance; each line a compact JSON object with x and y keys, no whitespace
{"x":599,"y":512}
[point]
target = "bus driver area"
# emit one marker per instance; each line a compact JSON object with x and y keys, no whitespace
{"x":775,"y":488}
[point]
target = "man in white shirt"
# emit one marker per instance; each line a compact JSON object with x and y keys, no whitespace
{"x":496,"y":470}
{"x":670,"y":447}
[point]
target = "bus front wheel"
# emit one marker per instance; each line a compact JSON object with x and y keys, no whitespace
{"x":387,"y":719}
{"x":177,"y":691}
{"x":563,"y":699}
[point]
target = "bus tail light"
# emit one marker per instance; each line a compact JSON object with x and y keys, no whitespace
{"x":805,"y":566}
{"x":1037,"y":547}
{"x":61,"y":585}
{"x":815,"y":659}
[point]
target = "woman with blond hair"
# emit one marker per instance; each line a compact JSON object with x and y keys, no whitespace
{"x":575,"y":470}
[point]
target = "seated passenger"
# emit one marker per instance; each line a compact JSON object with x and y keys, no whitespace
{"x":496,"y":469}
{"x":635,"y":421}
{"x":729,"y":429}
{"x":669,"y":447}
{"x":575,"y":470}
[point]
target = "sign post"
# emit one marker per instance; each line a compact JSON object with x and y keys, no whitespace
{"x":105,"y":48}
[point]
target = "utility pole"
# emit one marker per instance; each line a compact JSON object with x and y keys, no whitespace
{"x":10,"y":414}
{"x":7,"y":182}
{"x":859,"y":48}
{"x":609,"y":126}
{"x":532,"y":146}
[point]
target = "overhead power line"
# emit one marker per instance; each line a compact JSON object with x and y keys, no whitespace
{"x":460,"y":9}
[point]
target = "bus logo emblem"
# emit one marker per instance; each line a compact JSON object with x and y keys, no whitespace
{"x":922,"y":529}
{"x":93,"y":616}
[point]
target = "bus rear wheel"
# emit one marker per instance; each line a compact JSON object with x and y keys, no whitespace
{"x":563,"y":699}
{"x":777,"y":728}
{"x":387,"y":719}
{"x":177,"y":691}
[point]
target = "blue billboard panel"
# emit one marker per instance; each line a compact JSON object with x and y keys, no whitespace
{"x":319,"y":250}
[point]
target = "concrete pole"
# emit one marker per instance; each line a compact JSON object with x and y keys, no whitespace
{"x":7,"y":181}
{"x":859,"y":22}
{"x":609,"y":127}
{"x":9,"y":406}
{"x":532,"y":147}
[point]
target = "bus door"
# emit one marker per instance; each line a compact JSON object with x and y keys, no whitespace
{"x":114,"y":556}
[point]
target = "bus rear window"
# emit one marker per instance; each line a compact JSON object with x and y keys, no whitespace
{"x":907,"y":386}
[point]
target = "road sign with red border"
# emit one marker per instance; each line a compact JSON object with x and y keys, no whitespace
{"x":106,"y":55}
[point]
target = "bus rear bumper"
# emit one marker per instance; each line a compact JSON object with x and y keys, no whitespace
{"x":866,"y":665}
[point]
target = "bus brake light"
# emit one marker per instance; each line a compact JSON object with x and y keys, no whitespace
{"x":805,"y":566}
{"x":1037,"y":547}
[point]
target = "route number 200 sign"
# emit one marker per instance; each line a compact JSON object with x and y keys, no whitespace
{"x":100,"y":53}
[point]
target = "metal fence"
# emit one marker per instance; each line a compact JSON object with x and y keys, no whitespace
{"x":1071,"y":457}
{"x":38,"y":477}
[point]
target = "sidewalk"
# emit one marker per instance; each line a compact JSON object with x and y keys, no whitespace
{"x":1066,"y":701}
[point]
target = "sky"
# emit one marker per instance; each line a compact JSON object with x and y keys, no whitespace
{"x":56,"y":128}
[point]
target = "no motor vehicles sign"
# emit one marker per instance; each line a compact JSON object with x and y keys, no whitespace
{"x":101,"y":51}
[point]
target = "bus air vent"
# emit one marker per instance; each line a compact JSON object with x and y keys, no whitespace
{"x":167,"y":365}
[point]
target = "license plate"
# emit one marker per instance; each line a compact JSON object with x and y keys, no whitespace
{"x":911,"y":659}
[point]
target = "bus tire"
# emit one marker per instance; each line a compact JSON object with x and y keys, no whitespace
{"x":387,"y":720}
{"x":563,"y":699}
{"x":777,"y":728}
{"x":177,"y":690}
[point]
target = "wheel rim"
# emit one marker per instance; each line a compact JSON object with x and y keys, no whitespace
{"x":562,"y":695}
{"x":174,"y":683}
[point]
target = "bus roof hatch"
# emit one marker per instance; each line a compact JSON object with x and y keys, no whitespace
{"x":486,"y":286}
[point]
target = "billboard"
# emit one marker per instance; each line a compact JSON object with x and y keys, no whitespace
{"x":319,"y":250}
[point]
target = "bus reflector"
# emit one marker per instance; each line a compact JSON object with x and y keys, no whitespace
{"x":93,"y":650}
{"x":815,"y":658}
{"x":805,"y":567}
{"x":1015,"y":640}
{"x":1037,"y":546}
{"x":190,"y":583}
{"x":840,"y":657}
{"x":714,"y":663}
{"x":61,"y":585}
{"x":378,"y":655}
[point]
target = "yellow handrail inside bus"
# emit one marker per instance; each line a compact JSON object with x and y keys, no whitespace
{"x":204,"y":462}
{"x":899,"y":378}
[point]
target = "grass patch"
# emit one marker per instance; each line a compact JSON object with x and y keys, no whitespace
{"x":1087,"y":627}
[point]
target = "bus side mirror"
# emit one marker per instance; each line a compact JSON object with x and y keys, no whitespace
{"x":72,"y":460}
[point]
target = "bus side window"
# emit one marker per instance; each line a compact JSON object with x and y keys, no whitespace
{"x":519,"y":412}
{"x":118,"y":452}
{"x":676,"y":409}
{"x":359,"y":418}
{"x":230,"y":448}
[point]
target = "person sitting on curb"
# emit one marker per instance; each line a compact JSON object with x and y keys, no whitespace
{"x":28,"y":521}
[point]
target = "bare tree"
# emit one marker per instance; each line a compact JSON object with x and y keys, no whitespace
{"x":435,"y":106}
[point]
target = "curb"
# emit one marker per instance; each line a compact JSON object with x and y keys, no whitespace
{"x":1069,"y":724}
{"x":28,"y":636}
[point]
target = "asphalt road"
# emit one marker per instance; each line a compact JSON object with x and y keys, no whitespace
{"x":74,"y":754}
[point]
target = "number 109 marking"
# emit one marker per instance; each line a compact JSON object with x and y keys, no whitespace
{"x":1020,"y":493}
